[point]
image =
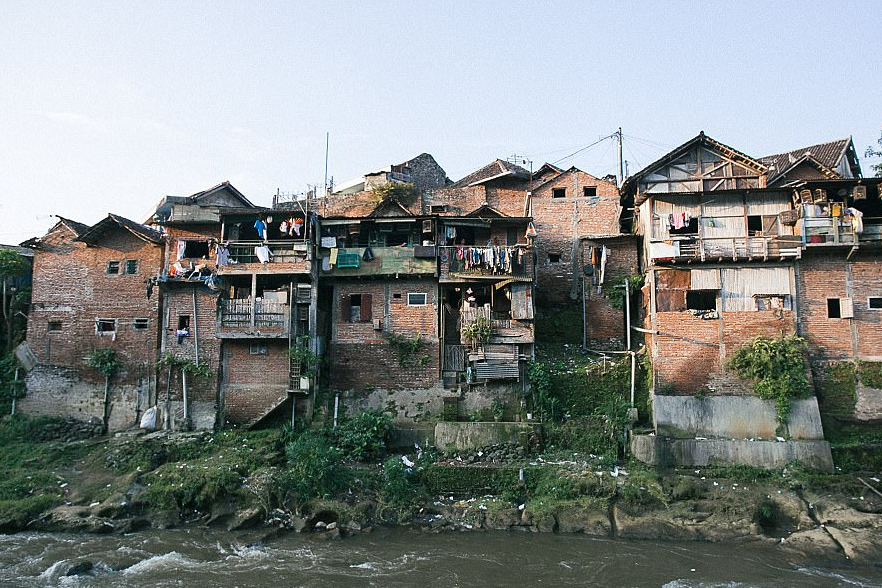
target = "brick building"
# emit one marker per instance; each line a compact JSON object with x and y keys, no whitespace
{"x":734,"y":249}
{"x":89,"y":293}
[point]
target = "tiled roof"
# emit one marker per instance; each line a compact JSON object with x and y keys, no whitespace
{"x":826,"y":154}
{"x":78,"y":228}
{"x":493,"y":170}
{"x":142,"y":232}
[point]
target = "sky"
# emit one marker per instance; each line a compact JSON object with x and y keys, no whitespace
{"x":109,"y":106}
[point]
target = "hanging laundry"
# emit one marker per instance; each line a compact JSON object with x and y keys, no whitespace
{"x":263,"y":253}
{"x":857,"y":220}
{"x":182,"y":247}
{"x":261,"y":228}
{"x":334,"y":253}
{"x":368,"y":254}
{"x":297,"y":226}
{"x":223,"y":255}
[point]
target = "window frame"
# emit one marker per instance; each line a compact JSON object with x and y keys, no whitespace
{"x":423,"y":294}
{"x":113,"y":268}
{"x":104,"y":321}
{"x":589,"y":191}
{"x":258,"y":348}
{"x":558,"y":257}
{"x":558,"y":192}
{"x":51,"y":326}
{"x":365,"y":313}
{"x":870,"y":305}
{"x":130,"y":263}
{"x":140,"y":323}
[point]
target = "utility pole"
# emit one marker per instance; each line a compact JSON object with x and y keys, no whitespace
{"x":327,"y":146}
{"x":618,"y":136}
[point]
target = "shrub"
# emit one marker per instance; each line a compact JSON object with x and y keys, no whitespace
{"x":363,"y":437}
{"x":315,"y":468}
{"x":778,"y":369}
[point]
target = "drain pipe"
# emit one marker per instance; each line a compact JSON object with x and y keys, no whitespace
{"x":195,"y":325}
{"x":336,"y":407}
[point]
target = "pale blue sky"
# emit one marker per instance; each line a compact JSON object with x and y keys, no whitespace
{"x":108,"y":106}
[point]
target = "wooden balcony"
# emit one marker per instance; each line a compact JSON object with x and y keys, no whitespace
{"x":465,"y":262}
{"x":687,"y":250}
{"x":287,"y":257}
{"x":351,"y":261}
{"x":248,"y":318}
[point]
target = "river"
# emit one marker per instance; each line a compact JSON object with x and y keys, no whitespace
{"x":391,"y":558}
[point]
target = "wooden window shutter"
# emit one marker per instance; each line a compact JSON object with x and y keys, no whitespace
{"x":346,"y":308}
{"x":366,"y":315}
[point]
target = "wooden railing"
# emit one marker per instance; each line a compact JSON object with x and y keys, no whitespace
{"x":243,"y":315}
{"x":282,"y":251}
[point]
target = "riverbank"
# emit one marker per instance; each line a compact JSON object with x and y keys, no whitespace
{"x":59,"y":478}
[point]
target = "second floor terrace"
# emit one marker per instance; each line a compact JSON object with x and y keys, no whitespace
{"x":488,"y":262}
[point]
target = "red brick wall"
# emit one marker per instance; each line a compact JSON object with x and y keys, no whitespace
{"x":253,"y":384}
{"x":561,"y":222}
{"x":691,"y":352}
{"x":605,"y":324}
{"x":824,"y":275}
{"x":179,"y":301}
{"x":821,"y":276}
{"x":71,"y":286}
{"x":866,"y":278}
{"x":360,"y":356}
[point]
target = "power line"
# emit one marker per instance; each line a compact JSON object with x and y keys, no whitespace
{"x":601,"y":140}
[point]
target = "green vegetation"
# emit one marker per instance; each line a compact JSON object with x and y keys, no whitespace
{"x":478,"y":332}
{"x":301,"y":353}
{"x":31,"y":470}
{"x":409,"y":349}
{"x":870,"y":373}
{"x":778,"y":369}
{"x":616,"y":294}
{"x":404,"y":193}
{"x":9,"y":387}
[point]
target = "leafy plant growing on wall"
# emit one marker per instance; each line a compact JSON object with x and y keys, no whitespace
{"x":107,"y":362}
{"x":778,"y":369}
{"x":186,"y":366}
{"x":301,"y":353}
{"x":408,"y":349}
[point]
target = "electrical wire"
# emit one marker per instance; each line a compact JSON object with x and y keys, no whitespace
{"x":583,"y":149}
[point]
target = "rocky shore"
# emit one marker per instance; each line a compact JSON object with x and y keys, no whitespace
{"x":807,"y":516}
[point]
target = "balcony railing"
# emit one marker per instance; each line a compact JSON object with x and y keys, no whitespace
{"x":486,"y":262}
{"x":282,"y":251}
{"x":248,"y":317}
{"x":726,"y":248}
{"x":838,"y":230}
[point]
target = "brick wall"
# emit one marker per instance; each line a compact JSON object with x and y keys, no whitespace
{"x":690,"y":352}
{"x":605,"y":324}
{"x":360,"y":355}
{"x":866,"y":280}
{"x":179,"y":302}
{"x":253,"y":383}
{"x":71,"y":289}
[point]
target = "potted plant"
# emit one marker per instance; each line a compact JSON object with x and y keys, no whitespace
{"x":478,"y":332}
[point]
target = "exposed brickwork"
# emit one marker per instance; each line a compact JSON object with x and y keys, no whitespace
{"x":71,"y":289}
{"x":605,"y":324}
{"x":253,"y":382}
{"x":690,"y":352}
{"x":361,"y":356}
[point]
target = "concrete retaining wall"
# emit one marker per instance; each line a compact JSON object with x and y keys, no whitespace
{"x":462,"y":436}
{"x":733,"y":417}
{"x":665,"y":452}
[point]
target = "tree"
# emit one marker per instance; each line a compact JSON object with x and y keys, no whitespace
{"x":107,"y":362}
{"x":12,"y":265}
{"x":872,"y":152}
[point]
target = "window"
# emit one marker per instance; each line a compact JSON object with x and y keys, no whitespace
{"x":589,"y":191}
{"x":357,"y":308}
{"x":54,"y":326}
{"x":554,"y":258}
{"x":196,"y":249}
{"x":874,"y":303}
{"x":759,"y":225}
{"x":833,"y":308}
{"x":558,"y":192}
{"x":131,"y":266}
{"x":140,"y":324}
{"x":772,"y":301}
{"x":416,"y":299}
{"x":183,"y":322}
{"x":701,"y":299}
{"x":105,"y":325}
{"x":840,"y":308}
{"x":113,"y":267}
{"x":512,"y":234}
{"x":257,"y":348}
